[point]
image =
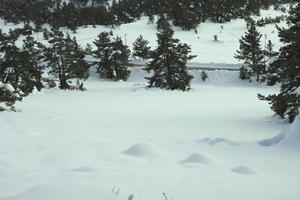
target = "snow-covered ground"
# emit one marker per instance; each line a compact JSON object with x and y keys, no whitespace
{"x":119,"y":138}
{"x":216,"y":142}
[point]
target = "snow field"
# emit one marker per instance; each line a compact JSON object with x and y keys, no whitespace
{"x":217,"y":141}
{"x":202,"y":144}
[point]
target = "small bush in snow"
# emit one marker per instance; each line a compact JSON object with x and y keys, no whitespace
{"x":204,"y":76}
{"x":216,"y":38}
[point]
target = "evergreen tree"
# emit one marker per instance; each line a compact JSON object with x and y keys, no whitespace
{"x":22,"y":68}
{"x":32,"y":58}
{"x":287,"y":70}
{"x":169,"y":61}
{"x":9,"y":59}
{"x":141,"y":48}
{"x":251,"y":53}
{"x":269,"y":52}
{"x":8,"y":97}
{"x":65,"y":59}
{"x":113,"y":57}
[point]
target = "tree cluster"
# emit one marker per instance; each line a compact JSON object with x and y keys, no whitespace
{"x":267,"y":66}
{"x":286,"y":70}
{"x":22,"y":68}
{"x":73,"y":13}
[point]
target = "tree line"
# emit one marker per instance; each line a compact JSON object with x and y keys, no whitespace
{"x":187,"y":14}
{"x":22,"y":69}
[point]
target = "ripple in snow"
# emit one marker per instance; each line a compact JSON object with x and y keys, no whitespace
{"x":244,"y":169}
{"x":143,"y":149}
{"x":214,"y":141}
{"x":84,"y":169}
{"x":200,"y":158}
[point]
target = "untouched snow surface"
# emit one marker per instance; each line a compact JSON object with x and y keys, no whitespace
{"x":119,"y":138}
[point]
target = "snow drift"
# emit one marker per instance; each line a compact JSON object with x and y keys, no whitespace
{"x":288,"y":138}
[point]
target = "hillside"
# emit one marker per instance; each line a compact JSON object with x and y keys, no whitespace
{"x":120,"y":139}
{"x":208,"y":52}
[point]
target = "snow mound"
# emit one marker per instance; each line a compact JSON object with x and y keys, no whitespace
{"x":214,"y":141}
{"x":143,"y":150}
{"x":200,"y":158}
{"x":288,"y":138}
{"x":61,"y":192}
{"x":292,"y":135}
{"x":244,"y":169}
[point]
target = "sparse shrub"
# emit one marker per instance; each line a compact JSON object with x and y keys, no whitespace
{"x":204,"y":76}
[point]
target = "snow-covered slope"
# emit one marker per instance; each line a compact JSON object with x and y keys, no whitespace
{"x":203,"y":45}
{"x":119,"y":138}
{"x":292,"y":139}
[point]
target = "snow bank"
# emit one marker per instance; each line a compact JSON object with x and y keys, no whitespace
{"x":288,"y":138}
{"x":217,"y":77}
{"x":292,"y":138}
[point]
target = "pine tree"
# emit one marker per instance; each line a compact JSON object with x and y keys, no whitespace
{"x":65,"y":59}
{"x":32,"y":58}
{"x":169,"y":61}
{"x":287,"y":69}
{"x":22,"y":68}
{"x":141,"y":48}
{"x":251,"y":53}
{"x":8,"y":97}
{"x":9,"y":60}
{"x":113,"y":57}
{"x":269,"y":52}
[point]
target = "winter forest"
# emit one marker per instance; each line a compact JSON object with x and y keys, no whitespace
{"x":149,"y":99}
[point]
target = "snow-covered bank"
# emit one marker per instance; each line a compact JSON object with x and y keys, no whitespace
{"x":288,"y":138}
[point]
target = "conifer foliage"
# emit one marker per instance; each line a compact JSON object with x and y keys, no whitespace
{"x":32,"y":58}
{"x":112,"y":56}
{"x":22,"y":68}
{"x":287,"y":70}
{"x":65,"y":60}
{"x":168,"y":61}
{"x":8,"y":97}
{"x":141,"y":48}
{"x":251,"y":54}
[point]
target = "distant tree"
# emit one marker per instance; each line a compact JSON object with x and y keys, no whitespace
{"x":287,"y":70}
{"x":65,"y":60}
{"x":251,"y":53}
{"x":168,"y":61}
{"x":269,"y":52}
{"x":113,"y":57}
{"x":141,"y":48}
